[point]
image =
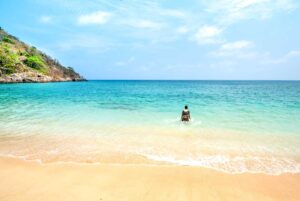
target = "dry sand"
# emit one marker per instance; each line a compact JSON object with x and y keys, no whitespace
{"x":30,"y":181}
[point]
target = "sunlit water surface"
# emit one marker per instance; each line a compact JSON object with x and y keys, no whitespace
{"x":237,"y":126}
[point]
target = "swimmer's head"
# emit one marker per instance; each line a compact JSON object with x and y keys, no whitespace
{"x":186,"y":107}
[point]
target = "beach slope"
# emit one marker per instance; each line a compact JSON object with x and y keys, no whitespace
{"x":20,"y":180}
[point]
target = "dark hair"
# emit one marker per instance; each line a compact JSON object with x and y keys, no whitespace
{"x":186,"y":107}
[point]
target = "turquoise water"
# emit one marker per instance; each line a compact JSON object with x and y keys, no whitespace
{"x":253,"y":119}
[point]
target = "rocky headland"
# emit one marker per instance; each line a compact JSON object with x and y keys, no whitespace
{"x":20,"y":63}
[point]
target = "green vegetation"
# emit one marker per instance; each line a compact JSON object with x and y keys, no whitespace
{"x":18,"y":57}
{"x":8,"y":62}
{"x":34,"y":62}
{"x":7,"y":40}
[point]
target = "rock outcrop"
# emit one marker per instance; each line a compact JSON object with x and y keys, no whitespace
{"x":35,"y":77}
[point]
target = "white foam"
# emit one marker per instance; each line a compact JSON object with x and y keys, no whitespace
{"x":231,"y":165}
{"x":234,"y":165}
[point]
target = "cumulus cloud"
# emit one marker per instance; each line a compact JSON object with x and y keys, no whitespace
{"x":208,"y":34}
{"x":97,"y":18}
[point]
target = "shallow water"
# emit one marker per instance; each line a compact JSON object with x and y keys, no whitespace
{"x":237,"y":126}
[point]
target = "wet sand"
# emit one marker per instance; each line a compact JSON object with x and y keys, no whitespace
{"x":31,"y":181}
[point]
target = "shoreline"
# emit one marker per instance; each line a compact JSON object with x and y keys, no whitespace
{"x":138,"y":161}
{"x":24,"y":180}
{"x":34,"y":81}
{"x":30,"y":82}
{"x":205,"y":150}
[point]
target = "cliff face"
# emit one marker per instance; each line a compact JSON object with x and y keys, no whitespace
{"x":20,"y":62}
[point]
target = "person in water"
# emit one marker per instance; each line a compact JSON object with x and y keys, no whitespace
{"x":185,"y":116}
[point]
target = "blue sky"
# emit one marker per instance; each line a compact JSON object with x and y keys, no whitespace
{"x":166,"y":39}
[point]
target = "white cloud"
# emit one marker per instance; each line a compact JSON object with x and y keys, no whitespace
{"x":45,"y":19}
{"x":232,"y":11}
{"x":237,"y":45}
{"x":285,"y":58}
{"x":143,"y":24}
{"x":208,"y":34}
{"x":236,"y":49}
{"x":99,"y":18}
{"x":239,"y":50}
{"x":223,"y":13}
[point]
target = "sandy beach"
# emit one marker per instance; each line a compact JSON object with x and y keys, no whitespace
{"x":31,"y":181}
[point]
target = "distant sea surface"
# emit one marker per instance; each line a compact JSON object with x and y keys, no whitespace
{"x":236,"y":126}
